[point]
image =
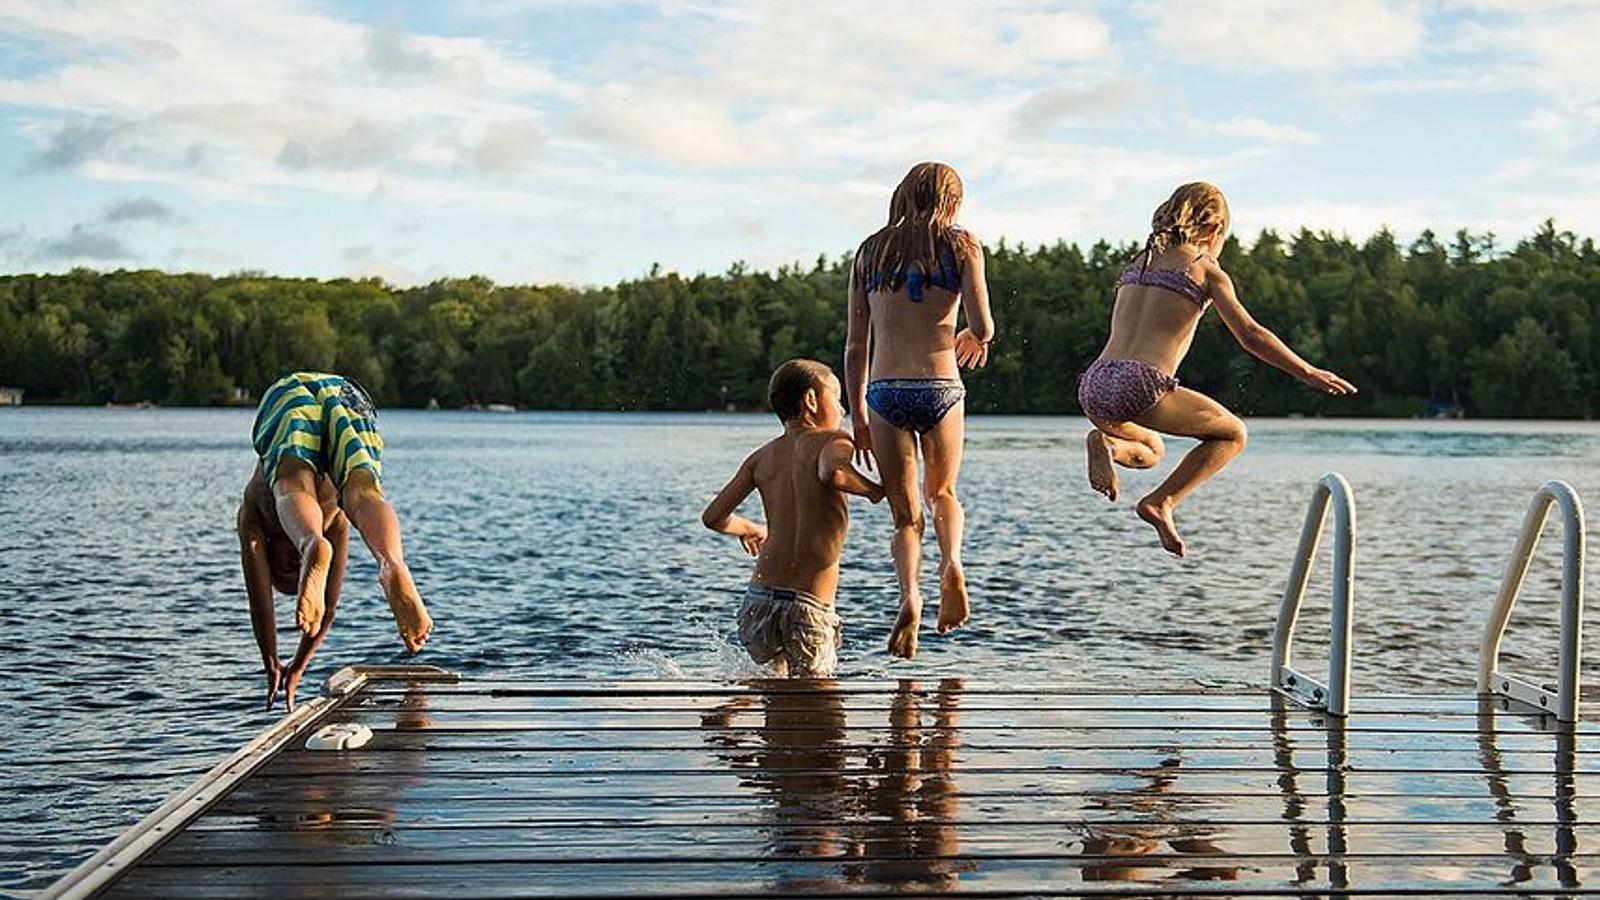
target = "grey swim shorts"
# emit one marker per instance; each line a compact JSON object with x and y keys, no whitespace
{"x":793,"y":623}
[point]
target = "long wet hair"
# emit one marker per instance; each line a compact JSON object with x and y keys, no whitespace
{"x":1194,"y":209}
{"x":922,"y":220}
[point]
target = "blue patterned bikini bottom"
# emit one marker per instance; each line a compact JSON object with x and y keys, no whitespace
{"x":914,"y":404}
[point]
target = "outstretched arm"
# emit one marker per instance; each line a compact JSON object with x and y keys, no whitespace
{"x":1260,"y":342}
{"x":835,"y":471}
{"x":721,"y":514}
{"x":857,"y":355}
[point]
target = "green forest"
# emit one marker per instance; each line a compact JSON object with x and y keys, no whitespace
{"x":1463,"y":323}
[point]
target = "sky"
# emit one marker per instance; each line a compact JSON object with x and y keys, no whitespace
{"x":582,"y":141}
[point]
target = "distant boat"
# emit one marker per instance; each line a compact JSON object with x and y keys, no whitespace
{"x":142,"y":404}
{"x":500,"y":408}
{"x":10,"y":396}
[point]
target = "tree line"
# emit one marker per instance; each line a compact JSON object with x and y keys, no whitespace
{"x":1436,"y":324}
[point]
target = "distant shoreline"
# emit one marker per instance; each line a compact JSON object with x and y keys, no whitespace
{"x":1464,"y":325}
{"x":1292,"y":417}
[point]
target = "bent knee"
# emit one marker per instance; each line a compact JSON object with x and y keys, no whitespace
{"x":361,"y":481}
{"x":942,"y":495}
{"x":1233,"y":430}
{"x":1147,"y":453}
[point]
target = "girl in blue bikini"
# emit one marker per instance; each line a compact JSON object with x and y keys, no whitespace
{"x":1131,"y":392}
{"x":908,"y":279}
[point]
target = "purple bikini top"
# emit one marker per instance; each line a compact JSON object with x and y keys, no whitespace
{"x":1177,"y":281}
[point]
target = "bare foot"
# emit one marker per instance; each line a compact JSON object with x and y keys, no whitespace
{"x":1102,"y":474}
{"x":290,"y":683}
{"x":953,"y":605}
{"x":410,"y":616}
{"x":903,"y":639}
{"x":274,"y":680}
{"x":1160,"y":515}
{"x":314,"y":568}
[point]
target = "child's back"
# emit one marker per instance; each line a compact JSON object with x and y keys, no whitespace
{"x":807,"y":518}
{"x":1160,"y":300}
{"x":787,"y":617}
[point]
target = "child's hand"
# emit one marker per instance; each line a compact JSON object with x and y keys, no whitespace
{"x":875,"y":493}
{"x":970,"y":352}
{"x":753,"y":539}
{"x":1326,"y":382}
{"x":862,"y":435}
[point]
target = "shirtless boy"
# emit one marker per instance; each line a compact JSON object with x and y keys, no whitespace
{"x":787,"y":619}
{"x":319,"y":472}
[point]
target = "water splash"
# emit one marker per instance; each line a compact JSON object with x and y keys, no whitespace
{"x":716,"y":658}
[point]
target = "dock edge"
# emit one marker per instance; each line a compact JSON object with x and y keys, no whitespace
{"x":99,"y":871}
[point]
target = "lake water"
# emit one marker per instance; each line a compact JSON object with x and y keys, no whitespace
{"x":570,"y":544}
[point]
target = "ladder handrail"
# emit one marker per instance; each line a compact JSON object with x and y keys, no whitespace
{"x":1490,"y":679}
{"x":1334,"y":697}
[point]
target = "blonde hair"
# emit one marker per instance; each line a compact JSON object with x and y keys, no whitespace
{"x":1194,"y":209}
{"x":922,"y":214}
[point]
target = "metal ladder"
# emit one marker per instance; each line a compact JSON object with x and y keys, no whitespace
{"x":1334,"y":696}
{"x":1491,"y":680}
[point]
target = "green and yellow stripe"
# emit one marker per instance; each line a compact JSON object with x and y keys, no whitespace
{"x":307,"y":416}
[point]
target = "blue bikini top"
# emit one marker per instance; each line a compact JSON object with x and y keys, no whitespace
{"x":913,"y":278}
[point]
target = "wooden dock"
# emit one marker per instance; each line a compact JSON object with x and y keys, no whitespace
{"x":790,"y":789}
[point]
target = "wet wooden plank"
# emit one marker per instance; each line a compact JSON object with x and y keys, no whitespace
{"x":826,"y":707}
{"x":1065,"y":815}
{"x":587,"y":687}
{"x":784,"y":789}
{"x":465,"y":700}
{"x":1106,"y":796}
{"x":780,"y":839}
{"x":612,"y":765}
{"x":1127,"y":874}
{"x":1535,"y":790}
{"x":724,"y":740}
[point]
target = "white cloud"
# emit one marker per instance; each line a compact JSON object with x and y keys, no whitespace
{"x":507,"y":146}
{"x":1305,"y":36}
{"x":756,"y":82}
{"x":154,"y":86}
{"x":1340,"y":217}
{"x":760,"y":129}
{"x":1042,"y":111}
{"x":674,"y":126}
{"x":1250,"y":128}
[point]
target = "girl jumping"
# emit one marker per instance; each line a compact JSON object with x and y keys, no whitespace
{"x":1131,"y":392}
{"x":905,"y":286}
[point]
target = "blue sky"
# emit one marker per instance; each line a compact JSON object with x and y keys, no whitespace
{"x":555,"y":141}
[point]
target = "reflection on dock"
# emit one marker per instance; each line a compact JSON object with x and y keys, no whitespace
{"x":790,"y":788}
{"x":891,"y":820}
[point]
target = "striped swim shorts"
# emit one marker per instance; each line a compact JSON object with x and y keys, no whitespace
{"x":326,"y":421}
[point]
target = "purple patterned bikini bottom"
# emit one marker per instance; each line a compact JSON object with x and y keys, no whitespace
{"x":1121,"y":390}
